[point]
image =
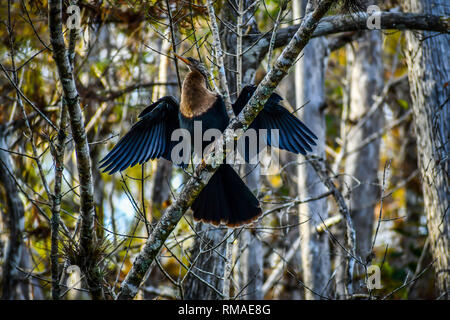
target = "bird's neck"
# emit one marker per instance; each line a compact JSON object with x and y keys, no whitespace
{"x":196,"y":99}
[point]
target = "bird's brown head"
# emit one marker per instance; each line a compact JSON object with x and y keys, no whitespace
{"x":194,"y":65}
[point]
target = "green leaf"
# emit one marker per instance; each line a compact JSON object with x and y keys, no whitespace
{"x":403,"y":103}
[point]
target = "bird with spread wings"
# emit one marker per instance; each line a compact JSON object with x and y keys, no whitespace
{"x":225,"y":199}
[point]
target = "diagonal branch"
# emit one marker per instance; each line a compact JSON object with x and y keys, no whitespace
{"x":204,"y":171}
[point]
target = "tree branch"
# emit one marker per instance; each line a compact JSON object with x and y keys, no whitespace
{"x":58,"y":151}
{"x":71,"y":97}
{"x":358,"y":22}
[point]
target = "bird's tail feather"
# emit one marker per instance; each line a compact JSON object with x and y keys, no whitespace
{"x":226,"y":200}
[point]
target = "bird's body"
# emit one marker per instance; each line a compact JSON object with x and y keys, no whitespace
{"x":225,"y":199}
{"x":200,"y":104}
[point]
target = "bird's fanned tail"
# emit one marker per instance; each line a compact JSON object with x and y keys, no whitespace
{"x":226,"y":200}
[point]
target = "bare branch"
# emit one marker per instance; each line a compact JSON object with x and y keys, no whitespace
{"x":358,"y":21}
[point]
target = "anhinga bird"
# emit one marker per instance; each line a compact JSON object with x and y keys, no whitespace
{"x":225,"y":199}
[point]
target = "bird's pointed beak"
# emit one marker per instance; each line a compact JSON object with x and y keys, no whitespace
{"x":181,"y":58}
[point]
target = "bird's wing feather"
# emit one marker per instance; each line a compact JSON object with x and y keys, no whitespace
{"x":294,"y":135}
{"x":149,"y":138}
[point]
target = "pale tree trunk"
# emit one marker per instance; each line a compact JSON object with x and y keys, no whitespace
{"x":429,"y":69}
{"x":310,"y":86}
{"x":289,"y":161}
{"x":98,"y":37}
{"x":160,"y":191}
{"x":410,"y":241}
{"x":14,"y":283}
{"x":366,"y":84}
{"x":160,"y":183}
{"x":15,"y":223}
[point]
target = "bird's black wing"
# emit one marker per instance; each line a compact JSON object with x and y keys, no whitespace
{"x":149,"y":138}
{"x":294,"y":135}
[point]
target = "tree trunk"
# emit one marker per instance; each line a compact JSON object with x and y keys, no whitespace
{"x":429,"y":69}
{"x":160,"y":184}
{"x":289,"y":161}
{"x":163,"y":173}
{"x":84,"y":165}
{"x":310,"y":86}
{"x":15,"y":224}
{"x":366,"y":83}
